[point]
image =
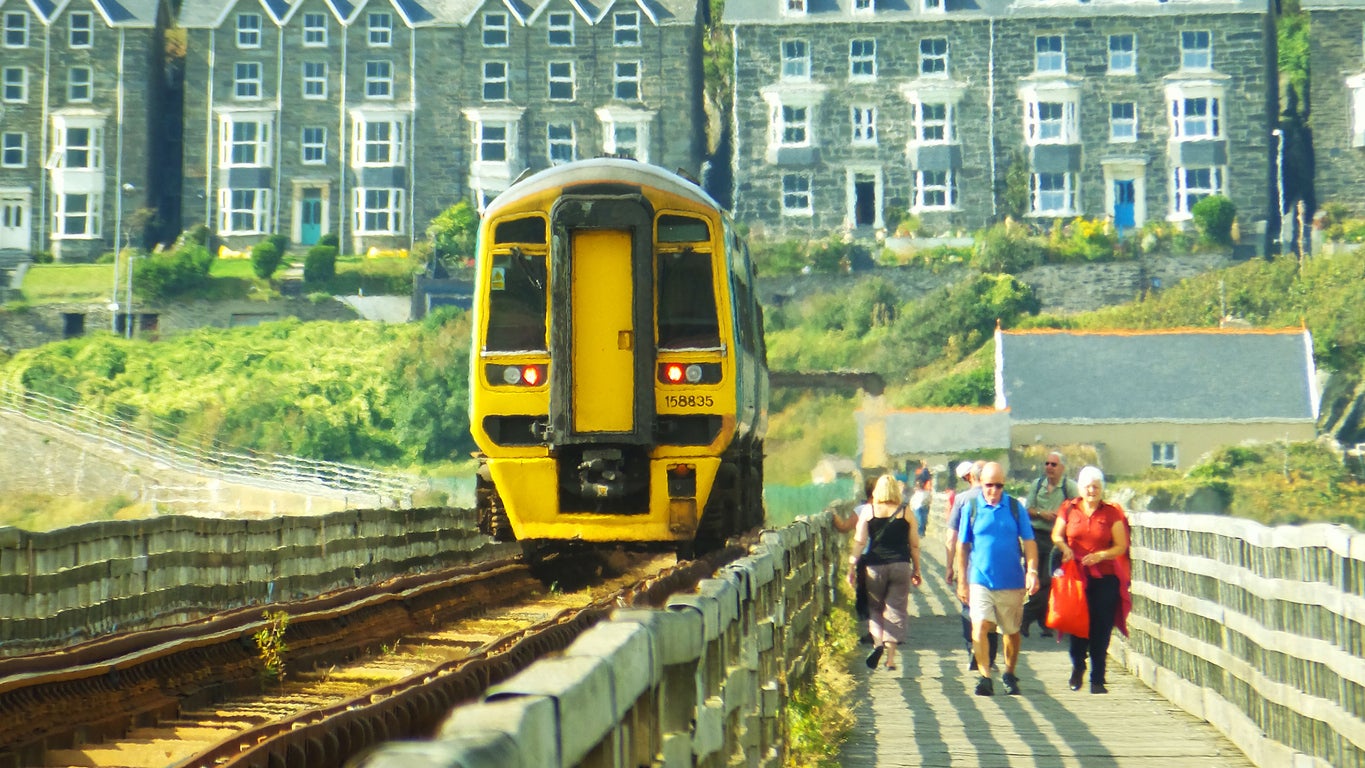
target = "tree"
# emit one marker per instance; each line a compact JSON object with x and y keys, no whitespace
{"x":1213,"y":218}
{"x":453,"y":232}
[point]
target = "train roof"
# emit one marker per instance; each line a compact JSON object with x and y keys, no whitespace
{"x":598,"y":170}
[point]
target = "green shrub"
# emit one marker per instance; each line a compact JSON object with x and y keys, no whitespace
{"x":265,"y":258}
{"x":453,"y":231}
{"x":1213,"y":219}
{"x":330,"y":239}
{"x":1008,"y":248}
{"x":782,"y":257}
{"x":172,"y":273}
{"x":320,"y":263}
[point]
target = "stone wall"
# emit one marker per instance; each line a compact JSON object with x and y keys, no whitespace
{"x":1062,"y":288}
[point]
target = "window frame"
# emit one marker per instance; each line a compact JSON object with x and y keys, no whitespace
{"x":1068,"y":194}
{"x":240,"y":150}
{"x":494,"y":81}
{"x":316,"y":143}
{"x":1181,"y":189}
{"x":379,"y":79}
{"x":249,"y":37}
{"x":552,"y":141}
{"x":7,"y":84}
{"x":946,"y":186}
{"x":923,"y":122}
{"x":73,"y":32}
{"x":379,"y":29}
{"x":792,"y":61}
{"x":1165,"y":455}
{"x":20,"y":147}
{"x":620,"y":81}
{"x":72,"y":86}
{"x":552,"y":28}
{"x":367,"y":211}
{"x":18,"y":35}
{"x":1191,"y":55}
{"x":562,"y":80}
{"x":496,"y":35}
{"x":315,"y":81}
{"x":1115,"y":66}
{"x":1128,"y":123}
{"x":1050,"y":60}
{"x":790,"y":195}
{"x":863,"y":125}
{"x":1038,"y":127}
{"x":371,"y":150}
{"x":240,"y":217}
{"x":91,"y":216}
{"x":315,"y":35}
{"x":625,"y":35}
{"x":928,"y":59}
{"x":247,"y":81}
{"x":862,"y":65}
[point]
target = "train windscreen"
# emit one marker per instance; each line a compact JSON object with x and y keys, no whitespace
{"x":687,"y":301}
{"x":516,"y":303}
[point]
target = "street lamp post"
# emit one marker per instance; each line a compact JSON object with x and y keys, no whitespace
{"x":128,"y":189}
{"x":1279,"y":181}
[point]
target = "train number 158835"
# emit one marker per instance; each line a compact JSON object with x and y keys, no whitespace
{"x":689,"y":401}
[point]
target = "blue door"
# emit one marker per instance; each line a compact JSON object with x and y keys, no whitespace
{"x":1124,"y":196}
{"x":310,"y":216}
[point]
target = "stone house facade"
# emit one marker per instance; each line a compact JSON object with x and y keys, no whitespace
{"x":368,"y":120}
{"x":949,"y":110}
{"x":81,"y":100}
{"x":1337,"y":96}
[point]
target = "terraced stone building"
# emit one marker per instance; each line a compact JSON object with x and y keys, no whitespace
{"x":960,"y":112}
{"x":1337,"y":96}
{"x":368,"y":119}
{"x":82,"y":88}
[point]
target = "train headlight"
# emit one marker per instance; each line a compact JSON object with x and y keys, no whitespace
{"x":689,"y":373}
{"x":532,"y":375}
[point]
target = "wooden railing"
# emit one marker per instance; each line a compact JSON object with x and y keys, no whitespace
{"x":1258,"y":630}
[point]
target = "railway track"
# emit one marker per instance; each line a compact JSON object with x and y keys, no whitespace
{"x":361,"y":666}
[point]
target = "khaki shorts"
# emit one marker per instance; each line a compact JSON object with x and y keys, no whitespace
{"x":1002,"y":607}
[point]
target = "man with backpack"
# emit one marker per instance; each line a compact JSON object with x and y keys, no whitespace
{"x":1045,"y":496}
{"x":993,"y":538}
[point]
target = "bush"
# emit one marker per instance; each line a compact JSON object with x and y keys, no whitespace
{"x":1213,"y":218}
{"x":320,"y":263}
{"x":172,"y":273}
{"x":1007,"y":248}
{"x":265,"y":258}
{"x":453,"y":231}
{"x":330,"y":239}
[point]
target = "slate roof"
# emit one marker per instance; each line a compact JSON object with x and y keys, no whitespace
{"x":213,"y":13}
{"x":1193,"y":376}
{"x":835,"y":11}
{"x":119,"y":13}
{"x":941,"y":430}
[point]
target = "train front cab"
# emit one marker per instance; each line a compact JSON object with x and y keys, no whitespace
{"x":619,"y":433}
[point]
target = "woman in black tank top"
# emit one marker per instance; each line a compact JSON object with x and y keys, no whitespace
{"x":889,"y":545}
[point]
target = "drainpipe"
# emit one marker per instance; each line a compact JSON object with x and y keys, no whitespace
{"x":990,"y":120}
{"x":210,"y":157}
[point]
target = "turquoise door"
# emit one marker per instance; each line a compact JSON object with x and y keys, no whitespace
{"x":310,"y":216}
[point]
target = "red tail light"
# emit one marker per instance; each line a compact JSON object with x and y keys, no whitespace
{"x":673,"y":372}
{"x":531,"y":375}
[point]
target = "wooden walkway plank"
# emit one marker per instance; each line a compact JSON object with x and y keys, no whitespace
{"x":924,"y":713}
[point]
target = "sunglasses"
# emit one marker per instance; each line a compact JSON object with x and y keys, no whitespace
{"x":1049,"y":463}
{"x":994,"y":485}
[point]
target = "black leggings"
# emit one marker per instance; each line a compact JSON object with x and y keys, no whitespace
{"x":1103,"y":596}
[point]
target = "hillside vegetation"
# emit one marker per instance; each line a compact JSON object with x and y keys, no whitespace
{"x":396,"y":395}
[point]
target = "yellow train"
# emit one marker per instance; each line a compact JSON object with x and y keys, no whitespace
{"x":618,"y":382}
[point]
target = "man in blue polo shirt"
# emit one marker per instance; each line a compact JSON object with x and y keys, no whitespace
{"x":998,"y":557}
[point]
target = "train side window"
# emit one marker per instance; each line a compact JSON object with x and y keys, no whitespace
{"x":516,"y":303}
{"x":683,"y":229}
{"x":530,"y":230}
{"x":687,"y":301}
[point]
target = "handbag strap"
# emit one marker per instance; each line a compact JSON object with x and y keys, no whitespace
{"x":900,"y":512}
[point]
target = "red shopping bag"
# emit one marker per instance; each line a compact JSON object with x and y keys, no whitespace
{"x":1067,"y":610}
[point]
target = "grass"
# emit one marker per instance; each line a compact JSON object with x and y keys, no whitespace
{"x":229,"y":279}
{"x":820,"y":718}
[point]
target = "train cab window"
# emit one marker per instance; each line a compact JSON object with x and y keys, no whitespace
{"x":687,"y":301}
{"x":516,"y":303}
{"x":683,"y":229}
{"x":529,"y":230}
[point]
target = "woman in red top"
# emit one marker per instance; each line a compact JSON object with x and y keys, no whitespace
{"x":1095,"y":533}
